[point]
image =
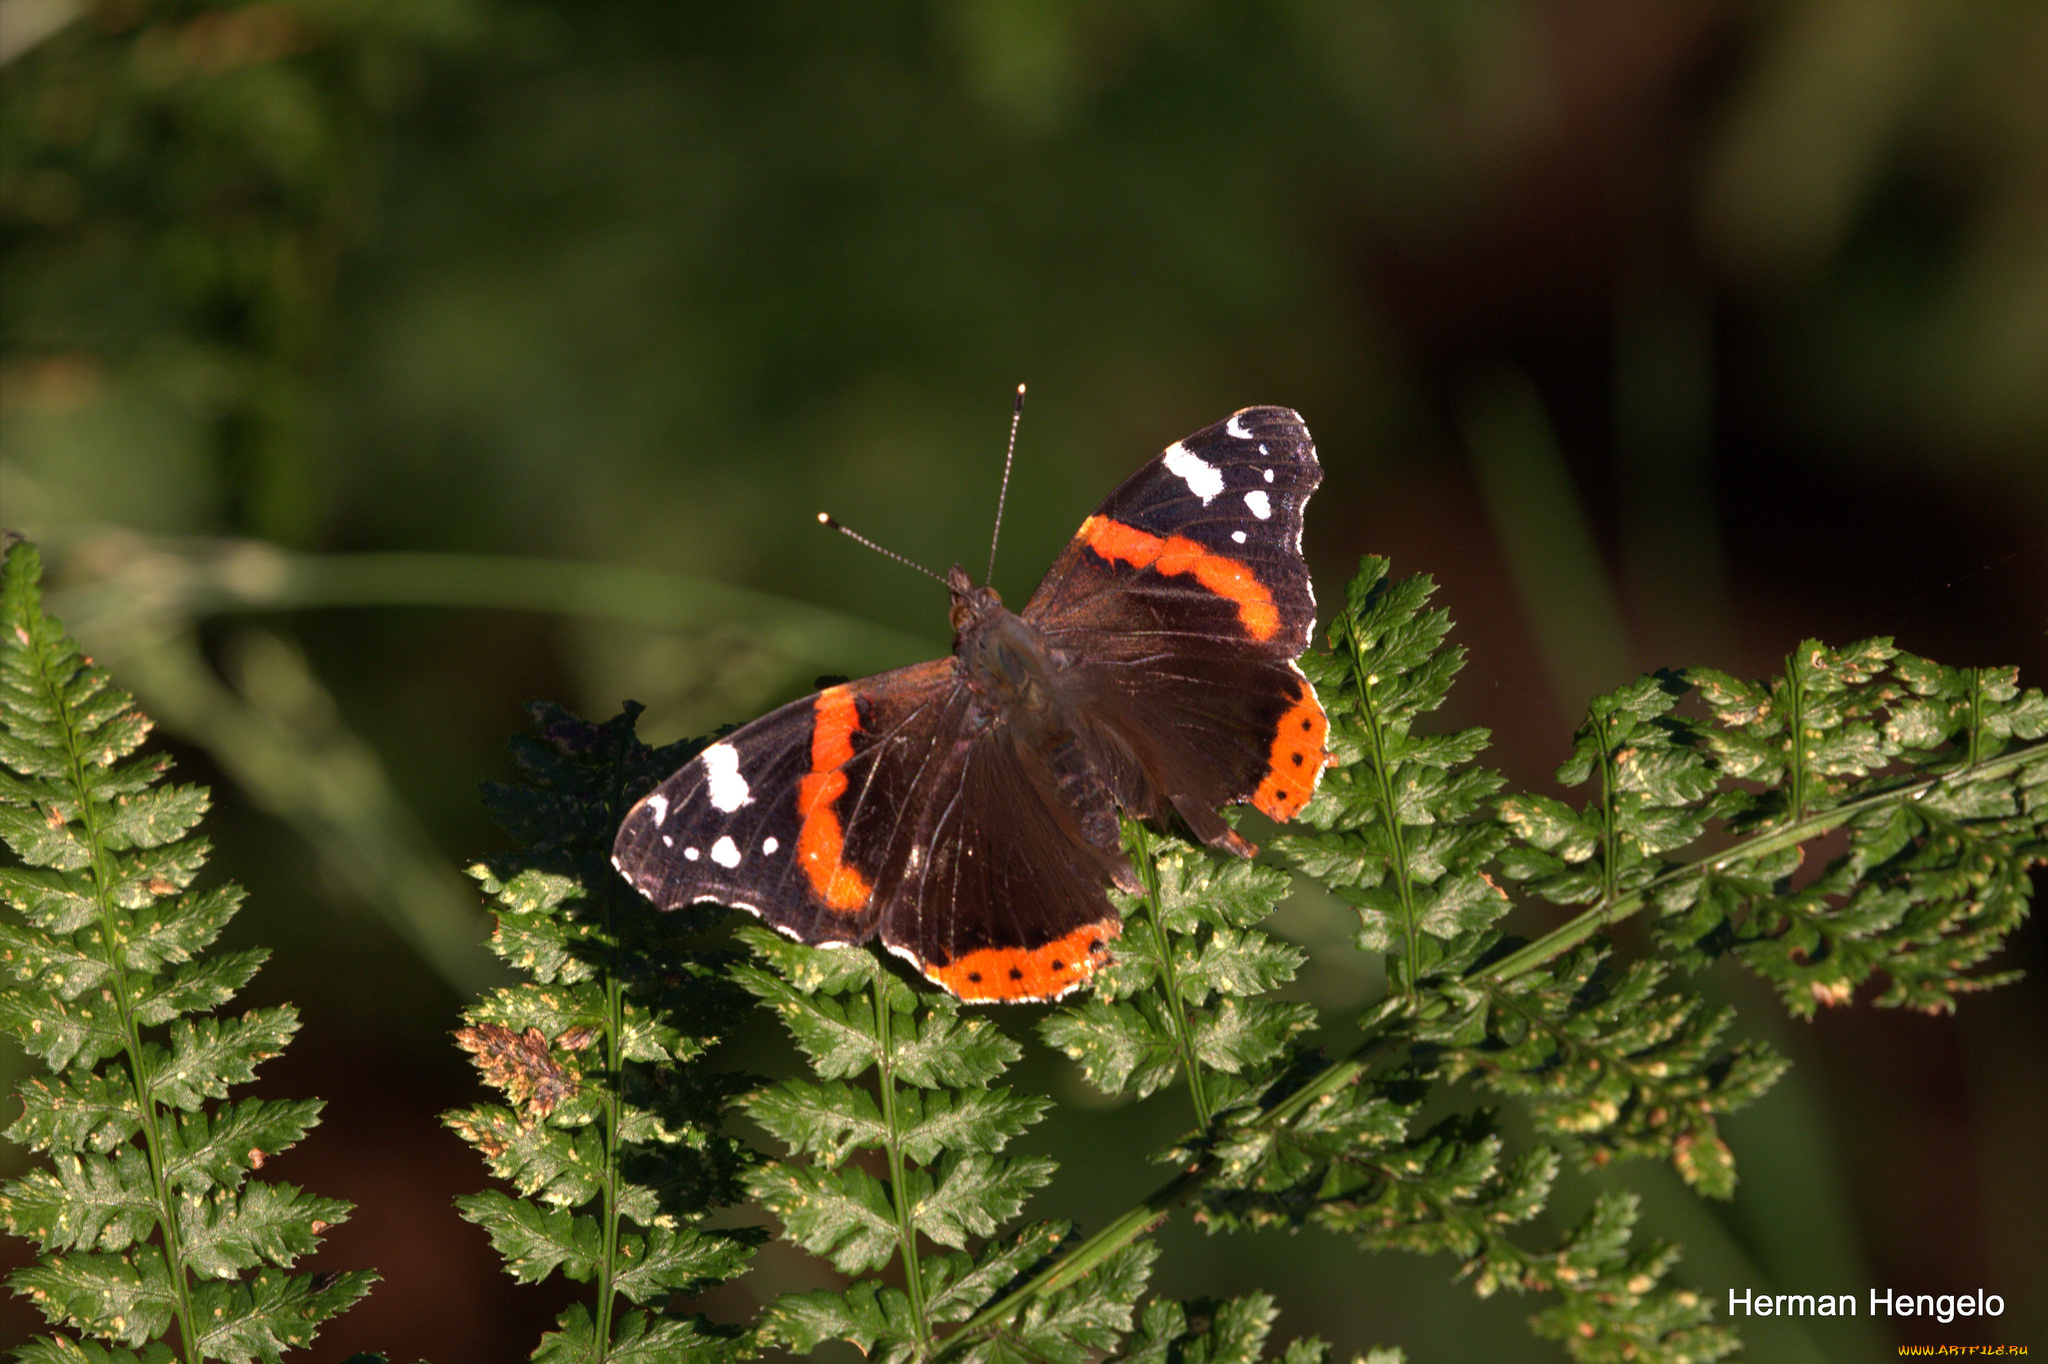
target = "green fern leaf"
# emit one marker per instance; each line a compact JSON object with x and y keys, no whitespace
{"x":1229,"y":1332}
{"x":610,"y":1126}
{"x":233,"y":1230}
{"x":1180,"y":999}
{"x":1126,"y":1047}
{"x":261,"y":1318}
{"x":925,"y":1099}
{"x":974,"y":1195}
{"x":956,"y":1286}
{"x":1076,"y":1324}
{"x":1393,"y":825}
{"x":84,"y":1202}
{"x":125,"y":1298}
{"x":534,"y":1243}
{"x":844,"y":1215}
{"x":45,"y":1350}
{"x":146,"y":1212}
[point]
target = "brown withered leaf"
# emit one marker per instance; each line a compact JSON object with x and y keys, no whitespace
{"x":523,"y":1065}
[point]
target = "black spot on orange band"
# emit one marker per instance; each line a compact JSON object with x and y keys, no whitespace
{"x":1294,"y":763}
{"x":820,"y":842}
{"x":1017,"y":974}
{"x":1175,"y":555}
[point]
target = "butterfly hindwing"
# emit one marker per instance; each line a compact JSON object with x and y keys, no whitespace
{"x":1001,"y":895}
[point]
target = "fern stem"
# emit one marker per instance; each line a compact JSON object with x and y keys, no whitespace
{"x":614,"y":1123}
{"x":104,"y":876}
{"x":1796,"y":755}
{"x":1382,"y":770}
{"x":1134,"y":1222}
{"x":1607,"y":796}
{"x":1976,"y":715}
{"x":1183,"y":1035}
{"x":899,"y":1198}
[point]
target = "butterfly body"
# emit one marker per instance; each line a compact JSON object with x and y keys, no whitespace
{"x":966,"y":810}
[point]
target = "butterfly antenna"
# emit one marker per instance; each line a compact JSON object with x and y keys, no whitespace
{"x":1016,"y":415}
{"x":832,"y":522}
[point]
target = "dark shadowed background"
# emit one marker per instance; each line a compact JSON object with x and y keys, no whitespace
{"x":369,"y":369}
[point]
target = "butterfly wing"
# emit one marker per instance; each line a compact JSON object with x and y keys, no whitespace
{"x":888,"y":804}
{"x":997,"y":894}
{"x":785,"y":817}
{"x":1183,"y":604}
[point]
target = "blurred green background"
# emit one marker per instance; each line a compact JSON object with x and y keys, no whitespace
{"x":367,"y":369}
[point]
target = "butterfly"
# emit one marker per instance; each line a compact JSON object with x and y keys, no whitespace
{"x":966,"y":809}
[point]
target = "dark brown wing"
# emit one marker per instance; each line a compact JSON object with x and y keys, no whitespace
{"x":1181,"y":606}
{"x":885,"y":803}
{"x":1000,"y":896}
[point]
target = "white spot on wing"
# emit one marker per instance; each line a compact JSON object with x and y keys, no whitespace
{"x":1264,"y":451}
{"x":1235,"y":426}
{"x":667,"y":842}
{"x":657,"y":805}
{"x":1258,"y":502}
{"x":769,"y":845}
{"x":691,"y":854}
{"x":1269,"y":475}
{"x":727,"y":788}
{"x":1204,"y":479}
{"x":725,"y":853}
{"x":1238,"y":536}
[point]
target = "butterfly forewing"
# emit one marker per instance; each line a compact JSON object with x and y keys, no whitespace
{"x":1203,"y":541}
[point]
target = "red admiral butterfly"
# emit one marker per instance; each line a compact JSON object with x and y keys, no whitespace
{"x":967,"y":808}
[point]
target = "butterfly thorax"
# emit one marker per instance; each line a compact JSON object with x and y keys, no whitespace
{"x":1003,"y":660}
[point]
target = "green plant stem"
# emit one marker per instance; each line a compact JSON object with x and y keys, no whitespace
{"x":1976,"y":714}
{"x":614,"y":1123}
{"x":1397,"y":843}
{"x":1608,"y":859}
{"x":1183,"y":1035}
{"x":124,"y":994}
{"x":899,"y":1198}
{"x":1159,"y":1205}
{"x":1795,"y":721}
{"x":1128,"y":1227}
{"x":154,"y":586}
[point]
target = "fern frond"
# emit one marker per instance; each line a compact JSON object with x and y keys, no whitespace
{"x":609,"y":1132}
{"x":1394,"y":832}
{"x":1233,"y":1331}
{"x":145,"y":1215}
{"x":1181,"y":1000}
{"x":940,"y":1126}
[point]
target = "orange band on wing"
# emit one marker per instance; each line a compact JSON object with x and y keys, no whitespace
{"x":1016,"y":973}
{"x":1294,"y":764}
{"x":820,"y":843}
{"x":1224,"y":576}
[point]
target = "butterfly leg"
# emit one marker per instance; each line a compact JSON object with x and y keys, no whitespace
{"x":1099,"y":825}
{"x":1208,"y":826}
